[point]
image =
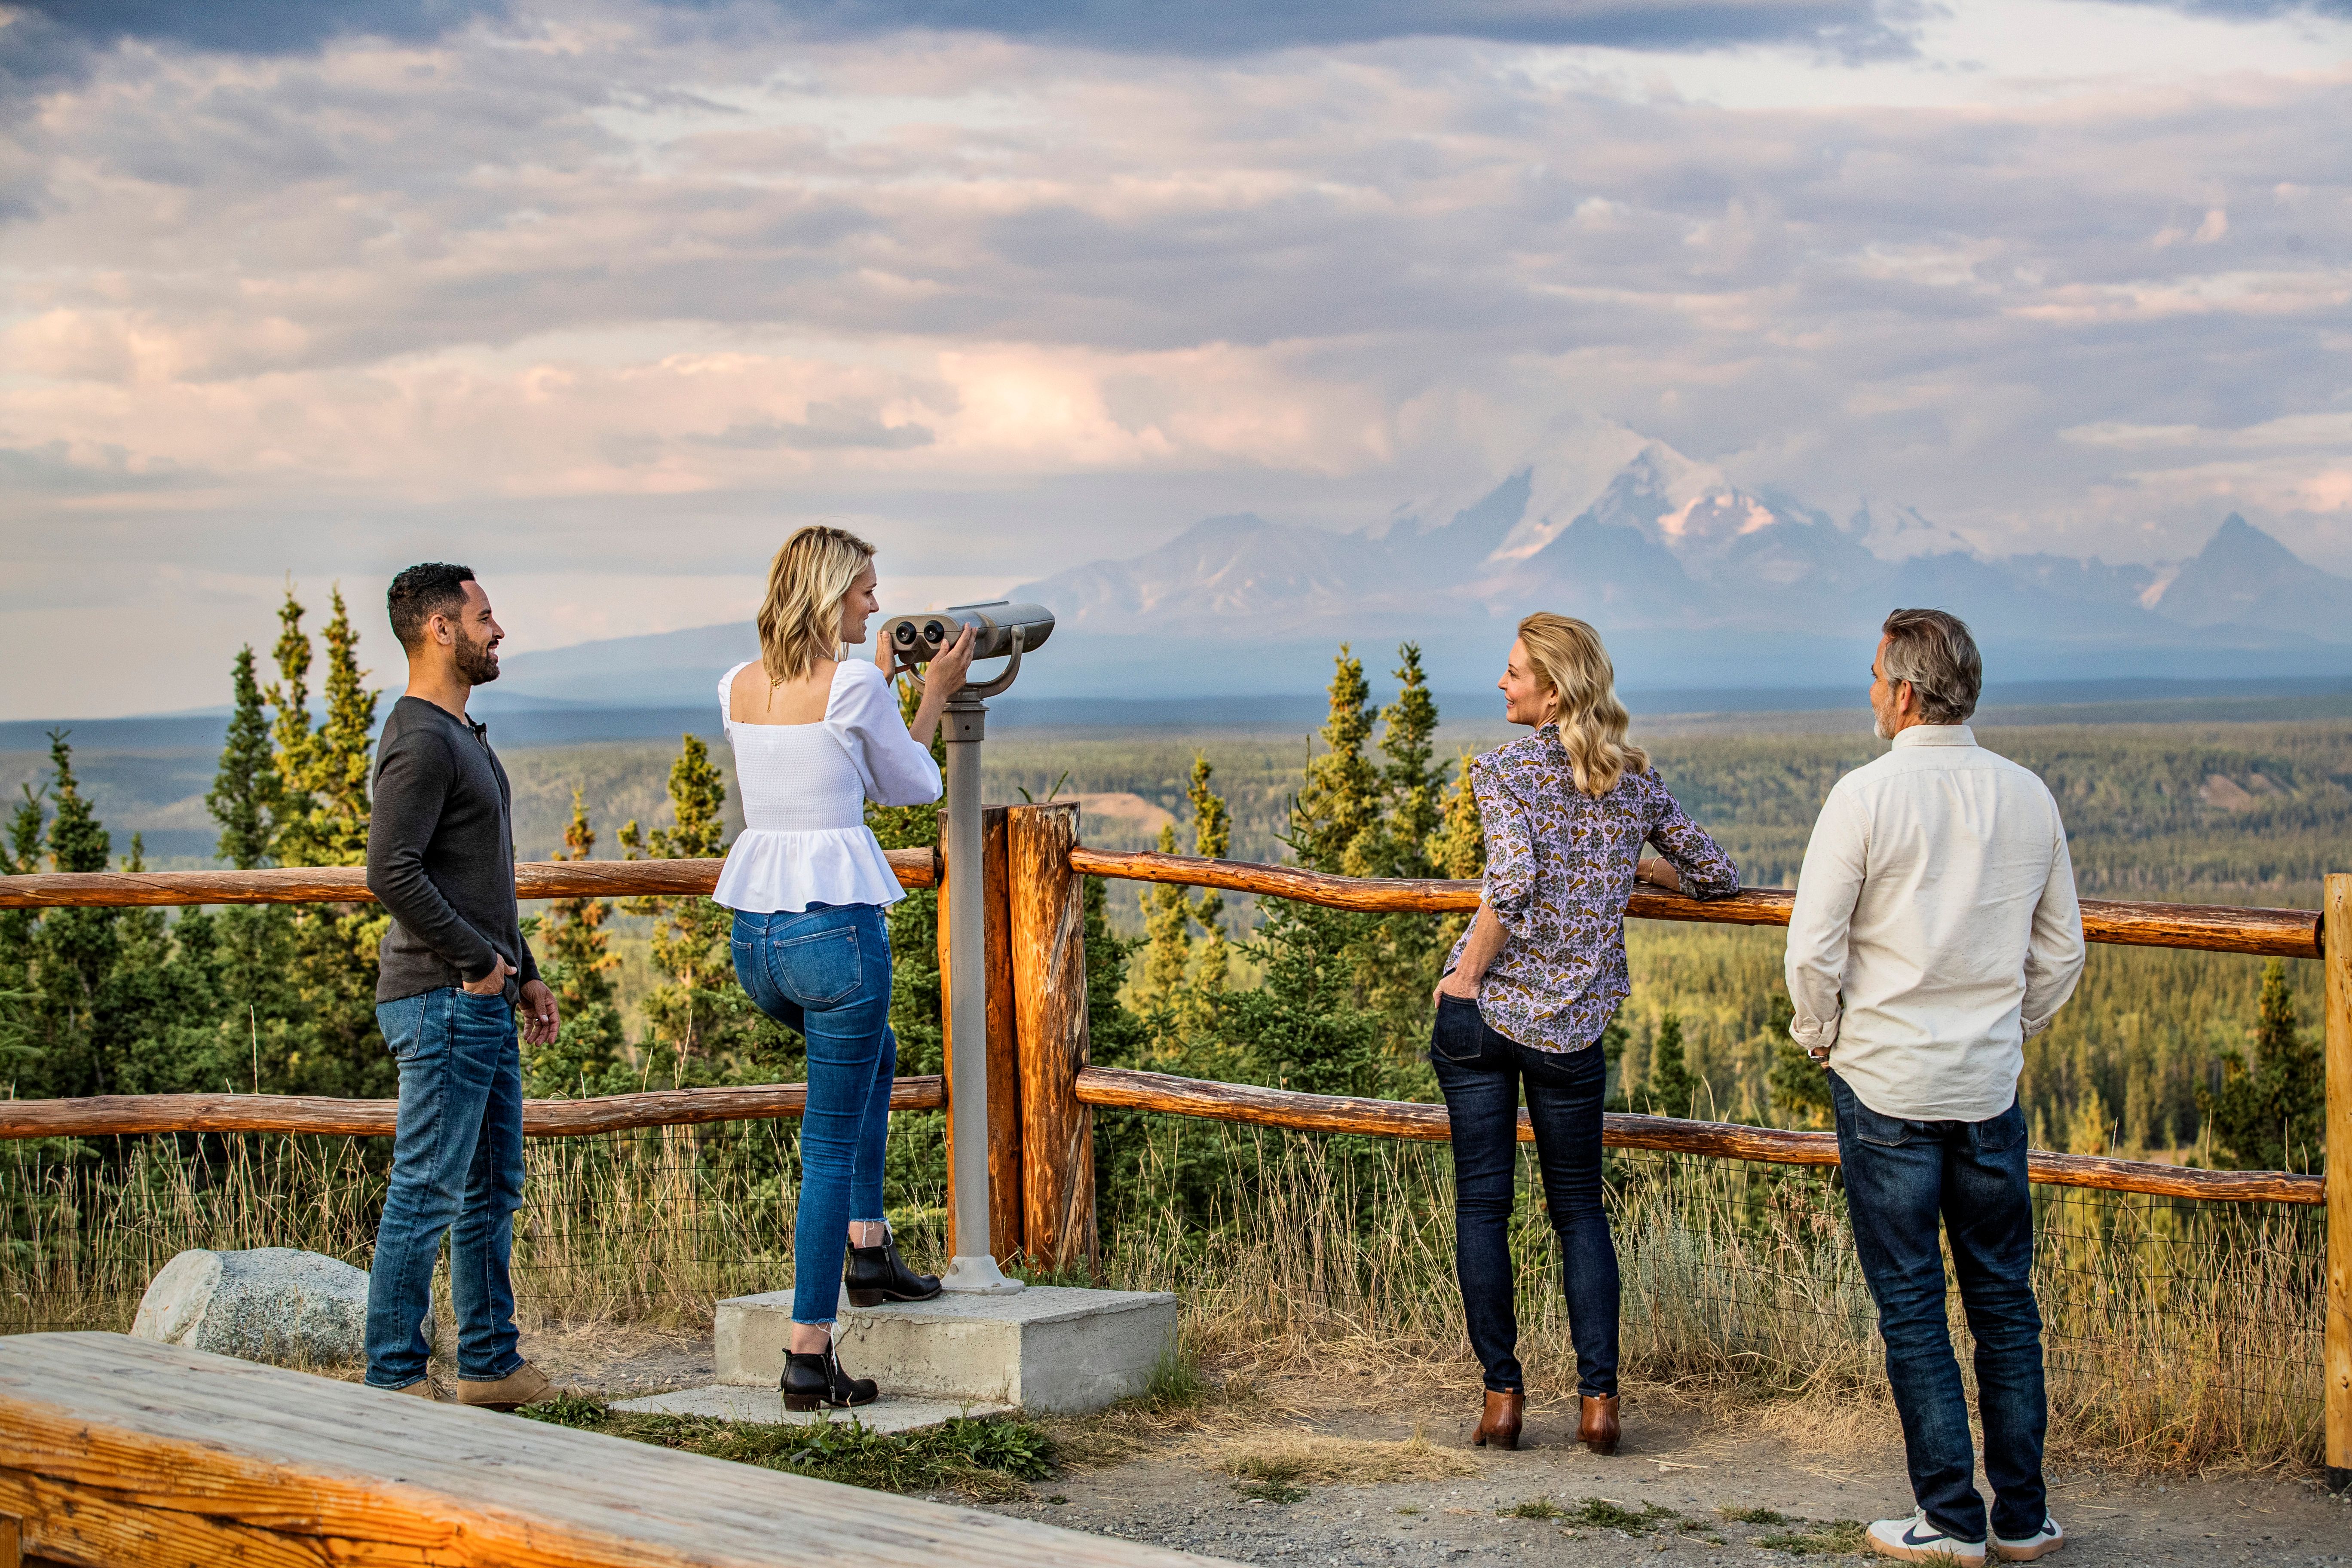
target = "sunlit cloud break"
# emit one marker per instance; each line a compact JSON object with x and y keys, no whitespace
{"x":618,"y":293}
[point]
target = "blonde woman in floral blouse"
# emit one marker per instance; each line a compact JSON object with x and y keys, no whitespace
{"x":1532,"y":983}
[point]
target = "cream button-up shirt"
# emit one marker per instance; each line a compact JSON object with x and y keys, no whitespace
{"x":1936,"y":927}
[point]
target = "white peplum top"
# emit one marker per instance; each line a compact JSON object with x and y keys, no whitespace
{"x":805,"y":786}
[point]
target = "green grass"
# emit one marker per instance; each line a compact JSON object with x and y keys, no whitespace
{"x":1602,"y":1513}
{"x":989,"y":1460}
{"x":1753,"y":1516}
{"x":1269,"y":1478}
{"x":1839,"y":1538}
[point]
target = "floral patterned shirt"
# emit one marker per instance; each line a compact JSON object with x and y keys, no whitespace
{"x":1559,"y":869}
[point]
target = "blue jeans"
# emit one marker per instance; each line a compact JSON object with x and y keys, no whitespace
{"x":1901,"y":1177}
{"x":456,"y":1166}
{"x":826,"y":970}
{"x":1481,"y":1073}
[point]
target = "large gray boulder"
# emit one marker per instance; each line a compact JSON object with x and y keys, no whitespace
{"x":272,"y":1304}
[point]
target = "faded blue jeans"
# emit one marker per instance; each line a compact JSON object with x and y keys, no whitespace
{"x":1481,"y":1072}
{"x":1902,"y":1178}
{"x":826,"y":970}
{"x":456,"y":1166}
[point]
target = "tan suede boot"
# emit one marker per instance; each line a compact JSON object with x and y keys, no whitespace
{"x":421,"y":1389}
{"x":524,"y":1385}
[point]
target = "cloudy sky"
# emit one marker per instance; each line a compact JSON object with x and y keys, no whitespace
{"x":604,"y":297}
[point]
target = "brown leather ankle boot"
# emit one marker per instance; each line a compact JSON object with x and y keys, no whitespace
{"x":1597,"y":1429}
{"x":1500,"y":1425}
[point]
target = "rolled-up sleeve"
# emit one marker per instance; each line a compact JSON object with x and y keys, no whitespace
{"x":1510,"y":850}
{"x":1827,"y":889}
{"x":2053,"y":954}
{"x":1706,"y":870}
{"x":897,"y":769}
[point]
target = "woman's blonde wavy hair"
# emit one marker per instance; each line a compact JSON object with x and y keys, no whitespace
{"x":800,"y":623}
{"x":1570,"y":663}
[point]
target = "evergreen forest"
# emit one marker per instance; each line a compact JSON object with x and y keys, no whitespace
{"x":2168,"y":1055}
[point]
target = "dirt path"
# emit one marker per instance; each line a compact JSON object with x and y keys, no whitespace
{"x":1330,"y":1449}
{"x":1679,"y":1471}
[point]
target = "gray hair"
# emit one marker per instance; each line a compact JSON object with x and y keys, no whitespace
{"x":1932,"y":649}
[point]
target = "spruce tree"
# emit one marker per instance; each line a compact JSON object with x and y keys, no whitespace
{"x":1799,"y":1086}
{"x":76,"y":949}
{"x":329,"y":1043}
{"x":577,"y":961}
{"x":1212,"y":839}
{"x":2269,"y":1114}
{"x":698,"y":1011}
{"x":245,"y":793}
{"x":1414,"y":789}
{"x":1339,"y":802}
{"x":1674,"y":1088}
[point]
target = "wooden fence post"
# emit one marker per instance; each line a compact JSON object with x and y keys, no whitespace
{"x":1049,"y":989}
{"x":2335,"y":939}
{"x":1004,"y":1208}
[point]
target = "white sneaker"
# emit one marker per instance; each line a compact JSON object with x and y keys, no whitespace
{"x":2041,"y":1544}
{"x":1914,"y":1540}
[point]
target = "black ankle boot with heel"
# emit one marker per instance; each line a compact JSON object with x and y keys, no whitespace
{"x":816,"y":1379}
{"x":877,"y":1274}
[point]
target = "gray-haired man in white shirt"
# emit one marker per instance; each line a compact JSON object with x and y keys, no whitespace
{"x":1936,"y":929}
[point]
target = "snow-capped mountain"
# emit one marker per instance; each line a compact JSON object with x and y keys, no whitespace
{"x":1704,"y":580}
{"x":1697,"y":581}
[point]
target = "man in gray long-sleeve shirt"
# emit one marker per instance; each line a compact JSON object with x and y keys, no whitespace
{"x":455,"y":966}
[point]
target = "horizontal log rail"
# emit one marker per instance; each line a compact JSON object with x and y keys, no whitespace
{"x":1121,"y":1088}
{"x":117,"y":1113}
{"x":2210,"y":928}
{"x":348,"y":884}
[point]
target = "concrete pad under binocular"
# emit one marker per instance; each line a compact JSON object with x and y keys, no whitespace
{"x":1048,"y":1348}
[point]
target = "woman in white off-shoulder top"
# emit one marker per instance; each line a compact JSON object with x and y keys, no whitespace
{"x":816,"y":736}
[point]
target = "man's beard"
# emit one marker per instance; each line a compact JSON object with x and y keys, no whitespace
{"x":476,"y":661}
{"x":1880,"y":721}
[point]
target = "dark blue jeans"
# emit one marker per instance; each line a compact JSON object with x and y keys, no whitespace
{"x":1901,"y":1178}
{"x":1481,"y":1073}
{"x":826,"y":970}
{"x":456,"y":1166}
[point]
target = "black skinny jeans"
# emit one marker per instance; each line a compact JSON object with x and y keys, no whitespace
{"x":1481,"y":1073}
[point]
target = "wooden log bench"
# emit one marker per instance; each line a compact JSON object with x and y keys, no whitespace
{"x":116,"y":1451}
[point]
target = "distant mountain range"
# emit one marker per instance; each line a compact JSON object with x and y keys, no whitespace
{"x":1695,"y":580}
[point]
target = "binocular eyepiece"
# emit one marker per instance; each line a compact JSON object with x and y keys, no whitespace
{"x":916,"y":639}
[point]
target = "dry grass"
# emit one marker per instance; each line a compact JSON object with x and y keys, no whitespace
{"x":2180,"y":1335}
{"x":1301,"y":1455}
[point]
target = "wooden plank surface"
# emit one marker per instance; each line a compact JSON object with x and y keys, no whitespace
{"x":2211,"y":928}
{"x":117,"y":1451}
{"x":100,"y":1115}
{"x":1262,"y":1107}
{"x":348,"y":884}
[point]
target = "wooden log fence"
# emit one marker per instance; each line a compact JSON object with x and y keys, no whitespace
{"x":2210,"y":928}
{"x":348,"y":884}
{"x":1041,"y":1137}
{"x":113,"y":1114}
{"x":1260,"y":1107}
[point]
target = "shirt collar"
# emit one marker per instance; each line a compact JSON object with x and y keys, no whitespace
{"x":1936,"y":735}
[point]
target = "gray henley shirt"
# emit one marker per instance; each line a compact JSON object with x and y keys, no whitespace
{"x":441,"y":855}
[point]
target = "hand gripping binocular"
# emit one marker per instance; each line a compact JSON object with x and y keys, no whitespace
{"x":1001,"y":629}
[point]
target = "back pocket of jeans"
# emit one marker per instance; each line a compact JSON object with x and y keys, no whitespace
{"x":1887,"y":1132}
{"x":1460,"y":1033}
{"x":817,"y":971}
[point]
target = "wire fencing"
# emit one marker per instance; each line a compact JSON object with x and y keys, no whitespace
{"x":2174,"y":1330}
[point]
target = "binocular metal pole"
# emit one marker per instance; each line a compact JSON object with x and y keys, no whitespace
{"x":973,"y":1268}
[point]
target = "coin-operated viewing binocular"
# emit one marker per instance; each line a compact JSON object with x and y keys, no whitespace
{"x":1001,"y":630}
